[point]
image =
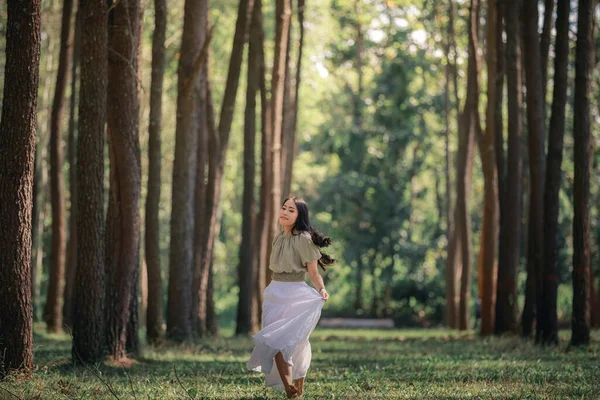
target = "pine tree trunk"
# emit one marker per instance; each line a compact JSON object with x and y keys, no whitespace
{"x":553,"y":176}
{"x":181,"y":251}
{"x":584,"y":58}
{"x":469,"y":129}
{"x":536,"y":126}
{"x":487,"y":142}
{"x":17,"y":153}
{"x":88,"y":314}
{"x":218,"y":153}
{"x":450,"y":273}
{"x":202,"y":170}
{"x":123,"y":220}
{"x":287,"y":142}
{"x":265,"y":172}
{"x":282,"y":15}
{"x":57,"y":190}
{"x":506,"y":301}
{"x":71,"y":262}
{"x":154,"y":312}
{"x":246,"y":265}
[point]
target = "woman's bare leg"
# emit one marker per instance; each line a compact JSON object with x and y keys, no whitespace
{"x":285,"y":372}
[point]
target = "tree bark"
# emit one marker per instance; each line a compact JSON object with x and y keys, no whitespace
{"x":506,"y":300}
{"x":489,"y":233}
{"x":265,"y":171}
{"x":57,"y":265}
{"x":287,"y":141}
{"x":201,"y":174}
{"x":582,"y":151}
{"x":549,"y":334}
{"x":88,"y":315}
{"x":71,"y":262}
{"x":123,"y":220}
{"x":154,"y":317}
{"x":17,"y":153}
{"x":179,"y":307}
{"x":218,"y":154}
{"x":246,"y":265}
{"x":536,"y":126}
{"x":469,"y":129}
{"x":282,"y":15}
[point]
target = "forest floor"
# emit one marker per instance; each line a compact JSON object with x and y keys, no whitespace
{"x":346,"y":364}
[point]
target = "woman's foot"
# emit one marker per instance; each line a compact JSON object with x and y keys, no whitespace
{"x":299,"y":383}
{"x":291,"y":391}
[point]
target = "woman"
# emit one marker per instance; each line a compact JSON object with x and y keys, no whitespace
{"x":291,"y":308}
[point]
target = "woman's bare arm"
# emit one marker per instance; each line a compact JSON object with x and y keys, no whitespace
{"x":316,"y":279}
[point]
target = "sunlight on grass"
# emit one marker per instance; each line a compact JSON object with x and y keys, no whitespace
{"x":347,"y":364}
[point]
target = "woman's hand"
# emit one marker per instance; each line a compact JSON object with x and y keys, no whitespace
{"x":324,"y":294}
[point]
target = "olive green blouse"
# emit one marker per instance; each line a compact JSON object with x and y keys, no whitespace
{"x":291,"y":253}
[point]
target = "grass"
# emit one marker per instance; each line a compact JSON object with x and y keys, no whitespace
{"x":346,"y":364}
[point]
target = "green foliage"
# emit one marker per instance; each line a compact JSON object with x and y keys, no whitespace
{"x":357,"y":364}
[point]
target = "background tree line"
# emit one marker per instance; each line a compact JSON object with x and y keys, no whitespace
{"x":372,"y":111}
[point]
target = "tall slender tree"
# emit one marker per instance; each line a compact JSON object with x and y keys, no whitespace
{"x":246,"y":265}
{"x":506,"y":300}
{"x":282,"y":15}
{"x":536,"y":127}
{"x":262,"y":227}
{"x":179,"y":304}
{"x":154,"y":317}
{"x":88,"y":314}
{"x":123,"y":215}
{"x":584,"y":61}
{"x":17,"y":152}
{"x":487,"y":143}
{"x":549,"y":334}
{"x":469,"y":128}
{"x":58,"y":252}
{"x":71,"y":261}
{"x":219,"y":152}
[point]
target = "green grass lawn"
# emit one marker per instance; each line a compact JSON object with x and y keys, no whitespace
{"x":347,"y":364}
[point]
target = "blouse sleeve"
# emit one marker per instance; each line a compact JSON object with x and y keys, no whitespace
{"x":307,"y":249}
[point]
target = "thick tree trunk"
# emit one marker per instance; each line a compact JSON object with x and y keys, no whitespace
{"x":71,"y":262}
{"x":88,"y":315}
{"x":123,"y":220}
{"x":154,"y":317}
{"x":181,"y":252}
{"x":57,"y":265}
{"x":246,"y":274}
{"x":584,"y":58}
{"x":217,"y":155}
{"x":536,"y":126}
{"x":17,"y":153}
{"x":489,"y":234}
{"x":469,"y":129}
{"x":506,"y":300}
{"x":549,"y":334}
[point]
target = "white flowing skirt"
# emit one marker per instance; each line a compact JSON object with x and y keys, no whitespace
{"x":290,"y":313}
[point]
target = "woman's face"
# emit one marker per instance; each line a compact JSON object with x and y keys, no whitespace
{"x":288,"y":214}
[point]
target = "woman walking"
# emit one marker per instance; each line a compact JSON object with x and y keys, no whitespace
{"x":291,"y":308}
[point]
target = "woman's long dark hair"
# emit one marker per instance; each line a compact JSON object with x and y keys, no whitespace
{"x":303,"y":225}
